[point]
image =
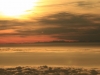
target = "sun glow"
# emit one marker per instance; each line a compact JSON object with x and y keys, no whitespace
{"x":16,"y":8}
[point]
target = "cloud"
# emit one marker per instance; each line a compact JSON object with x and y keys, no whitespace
{"x":61,"y":25}
{"x":82,"y":3}
{"x":87,"y":4}
{"x":72,"y":26}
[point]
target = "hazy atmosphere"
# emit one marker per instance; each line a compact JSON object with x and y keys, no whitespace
{"x":49,"y":20}
{"x":49,"y":37}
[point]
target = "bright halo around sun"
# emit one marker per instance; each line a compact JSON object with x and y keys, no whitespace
{"x":16,"y":8}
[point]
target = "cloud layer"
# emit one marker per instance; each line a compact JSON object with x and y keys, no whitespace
{"x":77,"y":20}
{"x":61,"y":25}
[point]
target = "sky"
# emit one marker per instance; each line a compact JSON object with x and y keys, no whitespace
{"x":49,"y":20}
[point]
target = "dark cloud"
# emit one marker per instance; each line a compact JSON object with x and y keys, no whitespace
{"x":62,"y":25}
{"x":72,"y":26}
{"x":86,"y":4}
{"x":10,"y":24}
{"x":65,"y":18}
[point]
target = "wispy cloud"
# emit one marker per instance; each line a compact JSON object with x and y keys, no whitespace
{"x":62,"y":25}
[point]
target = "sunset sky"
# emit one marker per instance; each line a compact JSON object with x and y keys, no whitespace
{"x":27,"y":21}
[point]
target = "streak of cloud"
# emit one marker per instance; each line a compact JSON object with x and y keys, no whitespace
{"x":62,"y":25}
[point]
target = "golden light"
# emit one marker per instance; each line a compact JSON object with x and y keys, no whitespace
{"x":16,"y":8}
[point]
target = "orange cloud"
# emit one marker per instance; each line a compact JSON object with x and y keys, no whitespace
{"x":26,"y":39}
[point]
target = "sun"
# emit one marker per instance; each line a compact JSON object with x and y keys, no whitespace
{"x":15,"y":8}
